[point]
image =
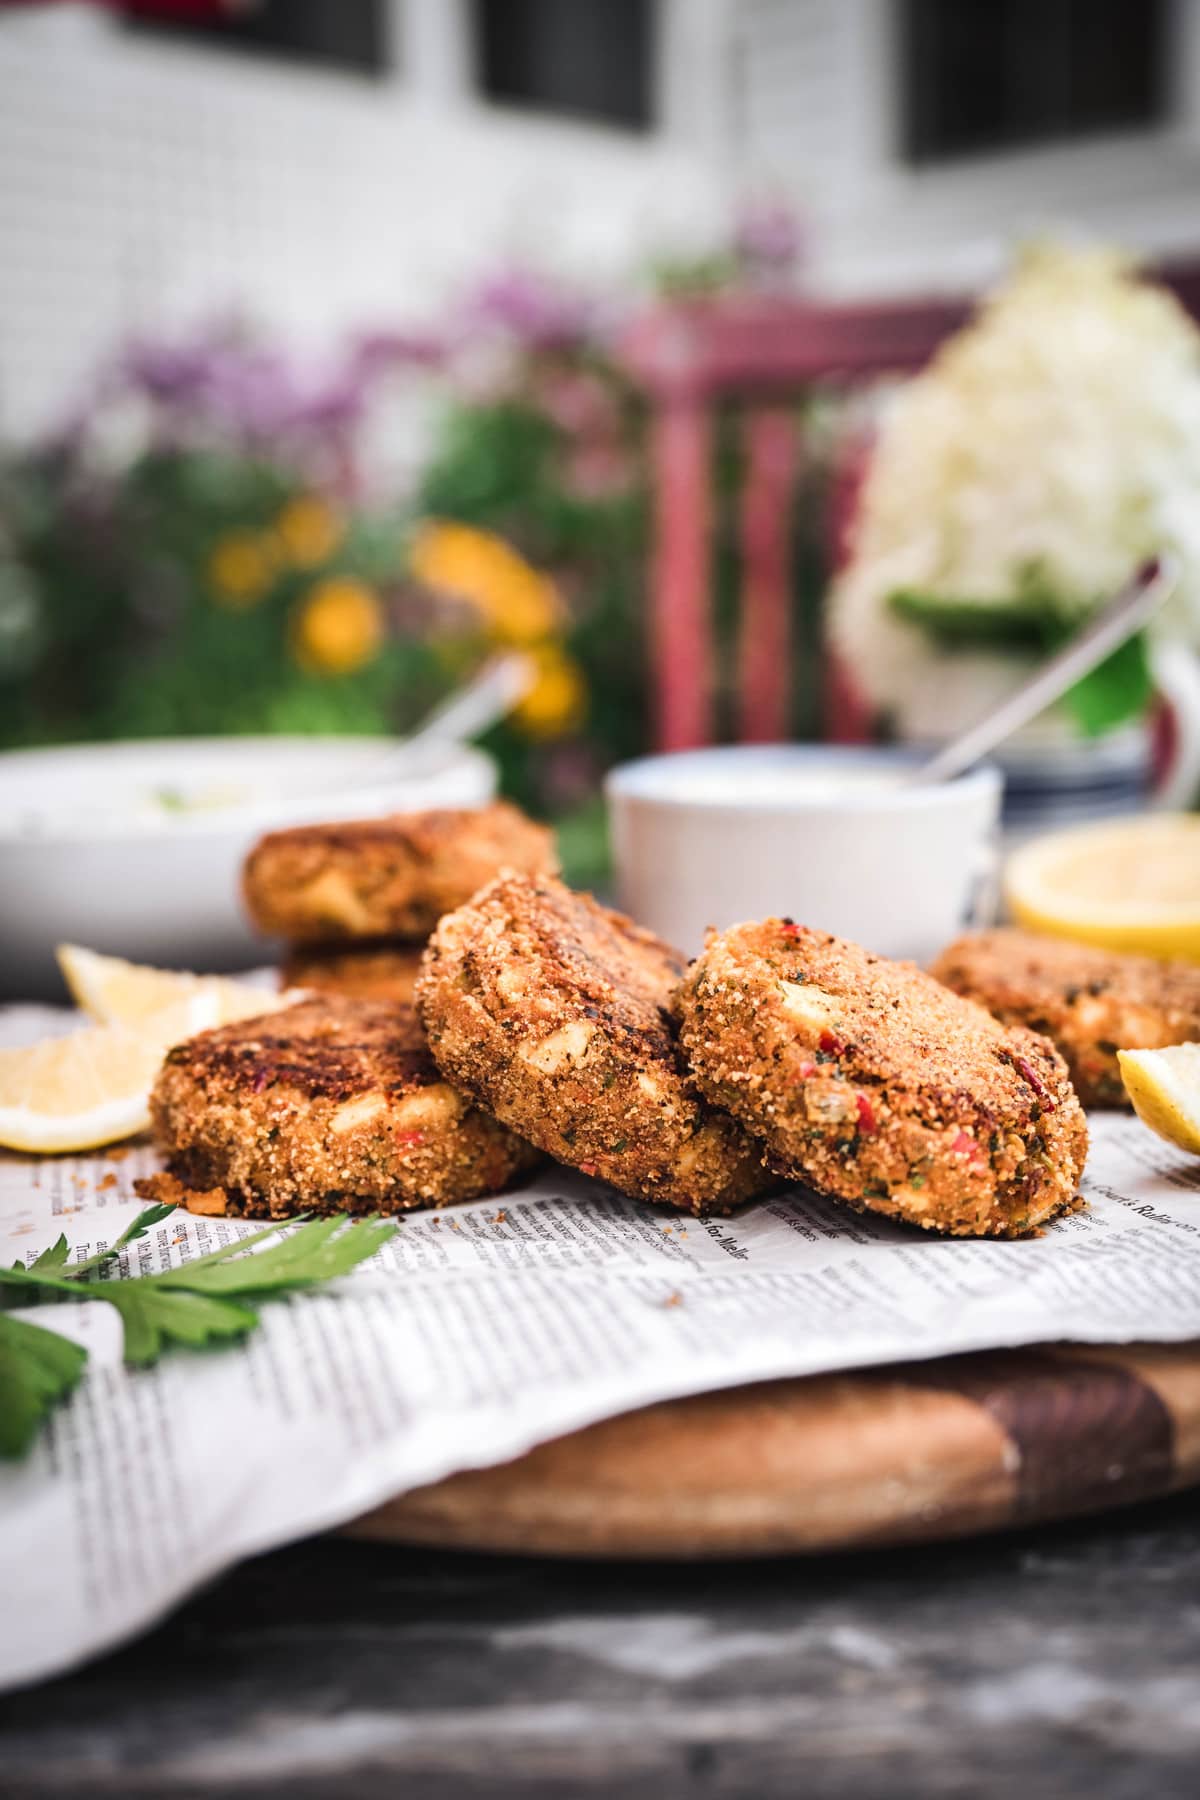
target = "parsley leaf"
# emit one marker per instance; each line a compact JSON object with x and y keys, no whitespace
{"x":53,"y":1258}
{"x":318,"y":1251}
{"x":206,"y":1300}
{"x":38,"y":1368}
{"x":153,"y":1318}
{"x":145,"y":1221}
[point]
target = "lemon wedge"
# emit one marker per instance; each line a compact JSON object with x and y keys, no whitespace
{"x":1128,"y":884}
{"x":89,"y":1088}
{"x":115,"y":992}
{"x":92,"y":1087}
{"x":1164,"y":1086}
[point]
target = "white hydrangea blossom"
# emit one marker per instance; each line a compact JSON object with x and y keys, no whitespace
{"x":1060,"y":430}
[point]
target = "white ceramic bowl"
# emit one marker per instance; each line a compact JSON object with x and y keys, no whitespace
{"x":136,"y":848}
{"x":827,"y":835}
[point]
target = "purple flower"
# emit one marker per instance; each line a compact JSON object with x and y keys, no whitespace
{"x":769,"y":240}
{"x":223,"y":382}
{"x":530,"y":308}
{"x":171,"y":374}
{"x":376,"y":352}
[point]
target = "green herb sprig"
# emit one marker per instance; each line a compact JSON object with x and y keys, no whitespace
{"x":210,"y":1300}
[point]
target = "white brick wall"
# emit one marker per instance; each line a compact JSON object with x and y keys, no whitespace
{"x":149,"y":183}
{"x":144,"y":183}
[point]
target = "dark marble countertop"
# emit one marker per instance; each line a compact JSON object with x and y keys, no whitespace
{"x":1059,"y":1661}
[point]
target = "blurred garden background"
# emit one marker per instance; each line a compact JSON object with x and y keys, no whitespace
{"x":316,"y":383}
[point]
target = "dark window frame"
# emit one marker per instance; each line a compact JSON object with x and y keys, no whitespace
{"x":290,"y":34}
{"x":986,"y":78}
{"x":596,"y":62}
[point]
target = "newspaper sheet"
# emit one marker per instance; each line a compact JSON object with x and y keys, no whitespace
{"x":484,"y":1329}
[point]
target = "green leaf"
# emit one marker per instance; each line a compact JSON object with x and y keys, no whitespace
{"x":36,"y":1278}
{"x":154,"y":1317}
{"x":55,"y":1256}
{"x":38,"y":1369}
{"x":318,"y":1251}
{"x":1023,"y":622}
{"x":152,"y":1314}
{"x":1117,"y":689}
{"x":233,"y":1248}
{"x":54,"y":1260}
{"x":147,"y":1219}
{"x":192,"y":1305}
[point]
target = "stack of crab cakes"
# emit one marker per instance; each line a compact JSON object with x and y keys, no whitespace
{"x":355,"y":900}
{"x":334,"y":1103}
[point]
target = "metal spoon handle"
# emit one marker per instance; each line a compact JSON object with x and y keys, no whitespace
{"x":1125,"y":614}
{"x":488,"y":697}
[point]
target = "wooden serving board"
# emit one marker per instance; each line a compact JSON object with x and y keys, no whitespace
{"x":883,"y":1456}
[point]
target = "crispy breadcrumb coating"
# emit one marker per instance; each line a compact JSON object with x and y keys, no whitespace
{"x":1088,"y":1002}
{"x":371,"y":971}
{"x":331,"y":1105}
{"x":873,"y":1083}
{"x":554,"y":1013}
{"x":390,"y":877}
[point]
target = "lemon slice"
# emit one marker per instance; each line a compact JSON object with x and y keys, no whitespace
{"x":89,"y":1088}
{"x":115,"y":992}
{"x":1129,"y":884}
{"x":1164,"y":1086}
{"x":93,"y":1086}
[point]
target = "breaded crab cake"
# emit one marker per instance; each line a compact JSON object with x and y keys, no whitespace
{"x":554,"y":1013}
{"x":370,"y":971}
{"x":875,"y":1084}
{"x":1088,"y":1002}
{"x":331,"y":1105}
{"x":392,"y":877}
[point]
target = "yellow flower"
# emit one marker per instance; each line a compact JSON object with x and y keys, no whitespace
{"x":241,"y":569}
{"x":309,"y":531}
{"x":557,"y":701}
{"x":516,"y":602}
{"x":339,"y":627}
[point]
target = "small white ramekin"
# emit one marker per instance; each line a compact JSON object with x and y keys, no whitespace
{"x":829,"y":836}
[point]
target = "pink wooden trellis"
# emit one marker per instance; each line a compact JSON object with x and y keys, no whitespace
{"x":688,"y":355}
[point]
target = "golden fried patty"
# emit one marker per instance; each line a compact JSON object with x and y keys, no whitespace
{"x":554,"y":1013}
{"x":874,"y":1083}
{"x":330,"y":1105}
{"x":1089,"y":1002}
{"x":373,"y":971}
{"x":390,"y":877}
